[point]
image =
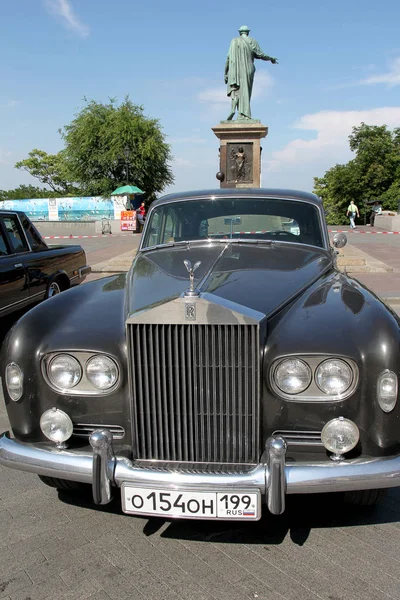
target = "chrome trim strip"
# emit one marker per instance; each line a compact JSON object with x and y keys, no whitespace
{"x":23,"y":301}
{"x":301,"y":478}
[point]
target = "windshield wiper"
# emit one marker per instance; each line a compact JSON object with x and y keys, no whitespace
{"x":166,"y":245}
{"x":247,"y":241}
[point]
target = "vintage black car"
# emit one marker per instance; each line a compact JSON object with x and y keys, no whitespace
{"x":233,"y":365}
{"x":31,"y":271}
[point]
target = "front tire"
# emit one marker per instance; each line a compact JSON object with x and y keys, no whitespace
{"x":365,"y":497}
{"x":54,"y":288}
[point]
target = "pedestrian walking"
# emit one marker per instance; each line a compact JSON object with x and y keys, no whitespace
{"x":352,"y":212}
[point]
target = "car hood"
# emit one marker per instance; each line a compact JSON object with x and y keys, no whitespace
{"x":260,"y":277}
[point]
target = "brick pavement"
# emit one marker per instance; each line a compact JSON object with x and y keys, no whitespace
{"x":55,"y":546}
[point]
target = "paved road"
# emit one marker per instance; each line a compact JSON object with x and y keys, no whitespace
{"x":54,"y":546}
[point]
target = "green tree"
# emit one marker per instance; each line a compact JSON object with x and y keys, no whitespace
{"x":26,"y":191}
{"x":373,"y":174}
{"x":95,"y":160}
{"x":50,"y":169}
{"x":96,"y":142}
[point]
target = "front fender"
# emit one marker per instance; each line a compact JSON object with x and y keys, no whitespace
{"x":88,"y":318}
{"x":338,"y":317}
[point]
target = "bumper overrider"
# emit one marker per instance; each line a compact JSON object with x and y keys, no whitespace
{"x":273,"y":477}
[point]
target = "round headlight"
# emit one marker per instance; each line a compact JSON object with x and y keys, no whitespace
{"x":64,"y":371}
{"x":340,"y":435}
{"x":334,"y":377}
{"x":102,"y":372}
{"x":14,"y":381}
{"x":292,"y":376}
{"x":56,"y":425}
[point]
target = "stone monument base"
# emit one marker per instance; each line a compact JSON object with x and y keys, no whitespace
{"x":240,"y":153}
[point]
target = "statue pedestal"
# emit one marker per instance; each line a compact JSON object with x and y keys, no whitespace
{"x":240,"y":153}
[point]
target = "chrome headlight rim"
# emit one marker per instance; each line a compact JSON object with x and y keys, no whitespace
{"x":56,"y":413}
{"x":313,"y":394}
{"x":114,"y":363}
{"x":279,"y":363}
{"x":331,"y":360}
{"x":84,"y":387}
{"x":54,"y":384}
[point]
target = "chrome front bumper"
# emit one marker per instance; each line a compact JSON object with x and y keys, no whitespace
{"x":273,"y":477}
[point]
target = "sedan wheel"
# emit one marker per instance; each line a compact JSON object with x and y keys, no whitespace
{"x":54,"y":289}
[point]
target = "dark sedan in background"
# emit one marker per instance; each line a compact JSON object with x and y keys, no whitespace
{"x":31,"y":271}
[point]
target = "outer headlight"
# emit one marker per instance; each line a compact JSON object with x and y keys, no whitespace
{"x":64,"y":371}
{"x":102,"y":372}
{"x":292,"y":376}
{"x":340,"y":436}
{"x":334,"y":377}
{"x":56,"y":425}
{"x":14,"y":381}
{"x":387,"y":390}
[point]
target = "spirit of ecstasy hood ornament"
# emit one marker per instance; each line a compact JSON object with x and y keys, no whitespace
{"x":191,"y":291}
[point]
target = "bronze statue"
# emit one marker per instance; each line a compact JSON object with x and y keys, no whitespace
{"x":239,"y":72}
{"x":240,"y":159}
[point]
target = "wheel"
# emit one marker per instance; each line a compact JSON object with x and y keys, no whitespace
{"x":364,"y":497}
{"x":65,"y":485}
{"x":54,"y":289}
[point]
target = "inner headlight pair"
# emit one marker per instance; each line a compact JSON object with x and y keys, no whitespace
{"x":332,"y":376}
{"x":65,"y":372}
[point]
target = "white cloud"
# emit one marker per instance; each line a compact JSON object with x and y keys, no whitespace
{"x":187,"y":140}
{"x":4,"y":155}
{"x":330,"y":145}
{"x":13,"y":103}
{"x":182,"y":162}
{"x":391,"y":77}
{"x":63,"y":10}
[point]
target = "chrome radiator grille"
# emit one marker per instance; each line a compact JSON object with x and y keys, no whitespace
{"x":196,"y":392}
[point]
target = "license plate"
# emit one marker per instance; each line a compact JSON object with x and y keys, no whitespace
{"x":189,"y":504}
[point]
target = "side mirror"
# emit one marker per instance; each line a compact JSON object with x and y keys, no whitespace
{"x":339,"y":240}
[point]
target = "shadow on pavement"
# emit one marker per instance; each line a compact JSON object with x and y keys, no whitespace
{"x":303,"y":513}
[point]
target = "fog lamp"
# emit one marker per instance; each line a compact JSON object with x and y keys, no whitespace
{"x":340,"y":436}
{"x":56,"y":426}
{"x":14,"y":381}
{"x":387,"y":390}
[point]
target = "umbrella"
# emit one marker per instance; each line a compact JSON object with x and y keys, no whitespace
{"x":127,"y":189}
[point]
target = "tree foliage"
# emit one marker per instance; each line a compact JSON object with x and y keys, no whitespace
{"x":373,"y":174}
{"x":26,"y":191}
{"x":106,"y":146}
{"x":50,"y":169}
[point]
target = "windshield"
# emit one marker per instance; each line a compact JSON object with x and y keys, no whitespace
{"x":234,"y":218}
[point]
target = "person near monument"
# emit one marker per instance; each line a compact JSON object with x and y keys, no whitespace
{"x":239,"y":72}
{"x":376,"y":210}
{"x":352,"y":212}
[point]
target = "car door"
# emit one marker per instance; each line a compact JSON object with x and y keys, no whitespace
{"x":14,"y":287}
{"x":39,"y":262}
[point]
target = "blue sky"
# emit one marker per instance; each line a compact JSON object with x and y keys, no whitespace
{"x":339,"y":64}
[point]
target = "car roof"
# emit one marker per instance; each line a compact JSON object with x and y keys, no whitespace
{"x":11,"y":210}
{"x":239,"y":192}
